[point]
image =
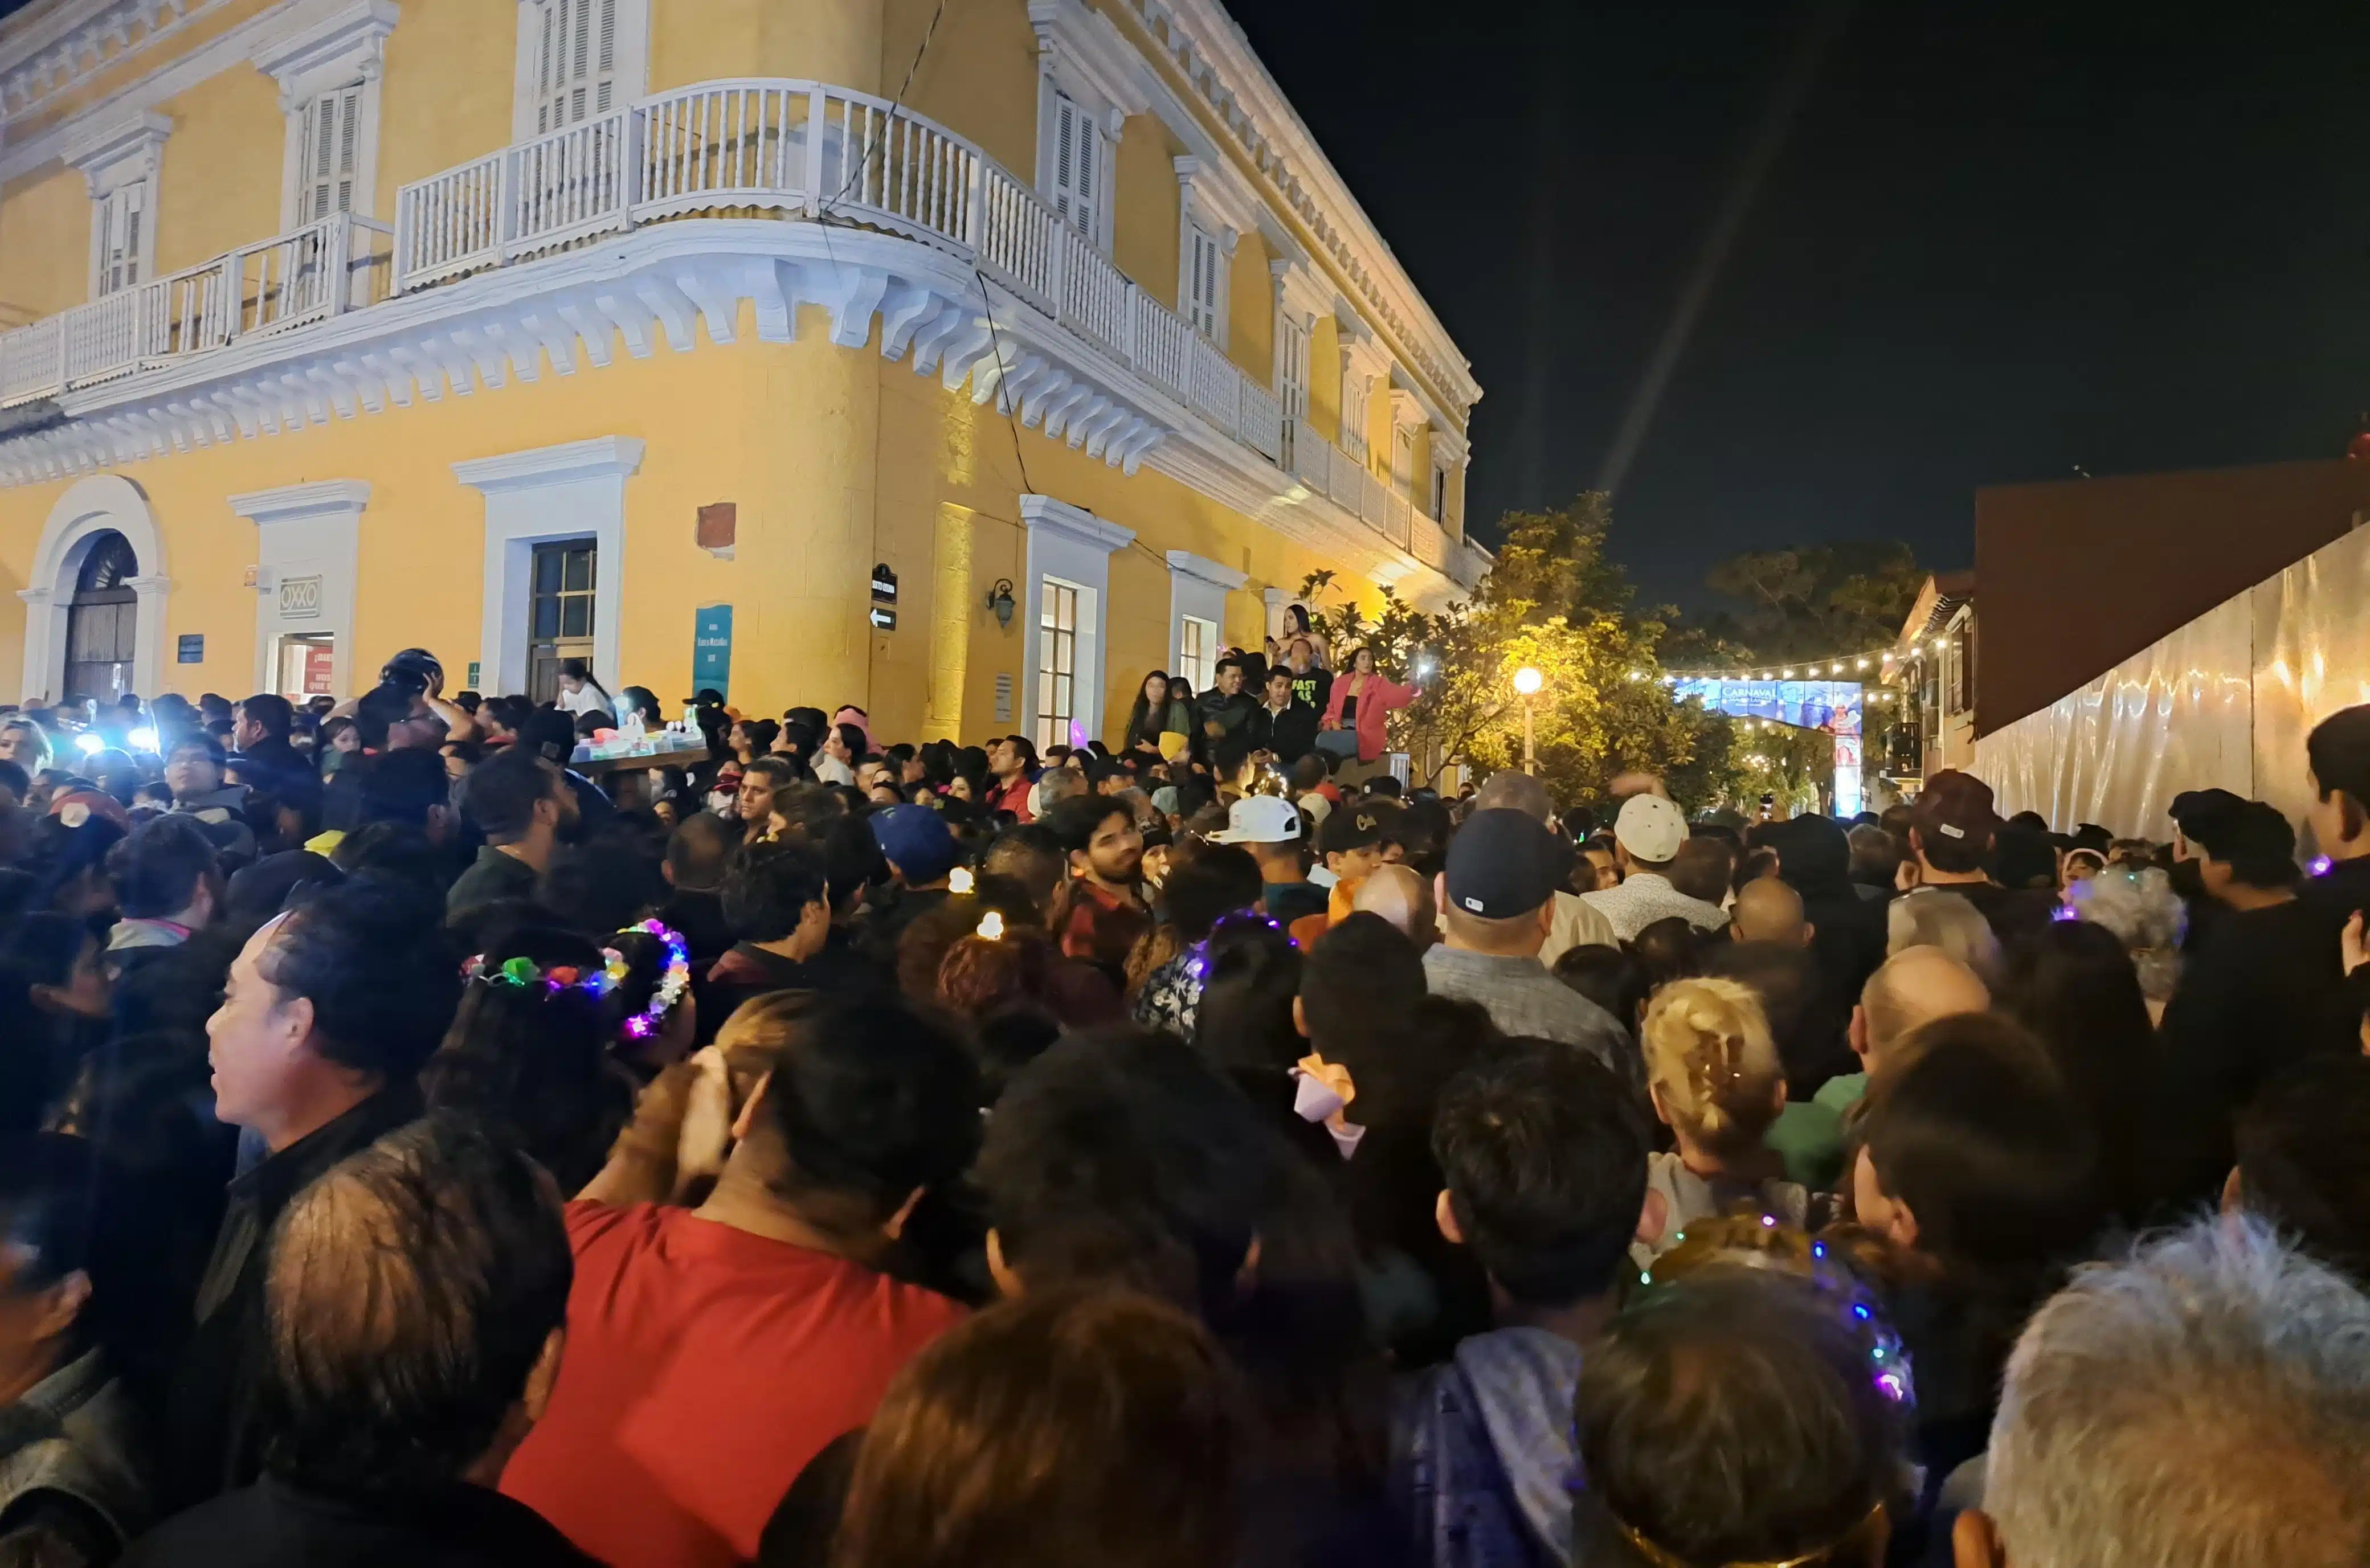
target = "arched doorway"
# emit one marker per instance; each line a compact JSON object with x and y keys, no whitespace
{"x":105,"y":515}
{"x":102,"y":621}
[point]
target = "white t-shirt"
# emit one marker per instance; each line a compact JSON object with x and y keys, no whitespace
{"x":832,"y":771}
{"x":585,"y":699}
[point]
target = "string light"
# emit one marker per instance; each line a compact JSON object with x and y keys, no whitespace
{"x":991,"y":926}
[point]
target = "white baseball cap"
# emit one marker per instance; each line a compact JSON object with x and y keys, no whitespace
{"x":1260,"y":819}
{"x":1651,"y":829}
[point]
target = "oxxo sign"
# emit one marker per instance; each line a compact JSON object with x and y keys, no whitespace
{"x":300,"y":599}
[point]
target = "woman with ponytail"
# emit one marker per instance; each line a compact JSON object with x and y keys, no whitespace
{"x":1713,"y":1071}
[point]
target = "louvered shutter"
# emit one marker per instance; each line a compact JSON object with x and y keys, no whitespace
{"x":1201,"y":281}
{"x":1078,"y":174}
{"x":120,"y":213}
{"x":332,"y":128}
{"x":576,"y":64}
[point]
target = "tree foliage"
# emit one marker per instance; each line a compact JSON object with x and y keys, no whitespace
{"x":1553,"y":601}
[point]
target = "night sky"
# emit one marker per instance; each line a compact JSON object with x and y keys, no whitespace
{"x":1996,"y":242}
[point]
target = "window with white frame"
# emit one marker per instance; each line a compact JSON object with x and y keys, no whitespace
{"x":329,"y":74}
{"x":1439,"y":508}
{"x":120,"y":216}
{"x":328,"y":150}
{"x":1197,"y":652}
{"x":1068,"y":573}
{"x":119,"y":161}
{"x":1057,"y":660}
{"x":1205,"y":283}
{"x":1403,"y":460}
{"x":1198,"y":587}
{"x":1081,"y":174}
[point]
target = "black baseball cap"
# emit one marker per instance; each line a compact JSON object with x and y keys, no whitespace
{"x":1354,"y":828}
{"x":1504,"y":863}
{"x":2198,"y":812}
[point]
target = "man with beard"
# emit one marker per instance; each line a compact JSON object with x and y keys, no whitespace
{"x":1098,"y":911}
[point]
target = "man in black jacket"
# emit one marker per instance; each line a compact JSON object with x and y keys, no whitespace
{"x":2266,"y":987}
{"x":328,"y":1016}
{"x":414,"y":1305}
{"x":1225,"y":707}
{"x":1283,"y":724}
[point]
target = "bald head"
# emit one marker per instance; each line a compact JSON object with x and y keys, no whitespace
{"x":1511,"y":789}
{"x":1768,"y":911}
{"x":1915,"y":986}
{"x":1401,"y":895}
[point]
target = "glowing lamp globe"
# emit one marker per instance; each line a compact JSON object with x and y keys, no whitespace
{"x":1528,"y":680}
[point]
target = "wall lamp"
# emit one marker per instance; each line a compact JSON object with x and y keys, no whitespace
{"x":999,"y":599}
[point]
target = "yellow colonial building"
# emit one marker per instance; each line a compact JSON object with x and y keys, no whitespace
{"x":962,"y":361}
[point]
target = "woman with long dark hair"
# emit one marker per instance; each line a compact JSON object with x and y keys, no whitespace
{"x":1360,"y":699}
{"x":1156,"y":713}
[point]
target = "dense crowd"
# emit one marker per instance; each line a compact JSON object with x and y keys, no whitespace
{"x":427,"y":1138}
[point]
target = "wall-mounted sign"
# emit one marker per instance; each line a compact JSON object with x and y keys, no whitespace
{"x":883,"y":620}
{"x":475,"y":669}
{"x":300,"y":599}
{"x":711,"y":648}
{"x":884,"y":584}
{"x":1004,"y":696}
{"x":194,"y":648}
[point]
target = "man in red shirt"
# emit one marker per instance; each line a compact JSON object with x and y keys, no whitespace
{"x":1011,"y":761}
{"x":713,"y":1351}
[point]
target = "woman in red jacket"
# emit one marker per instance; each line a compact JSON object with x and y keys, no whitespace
{"x":1360,"y":698}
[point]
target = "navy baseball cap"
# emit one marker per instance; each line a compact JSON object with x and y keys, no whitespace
{"x":916,"y":841}
{"x":1504,"y":863}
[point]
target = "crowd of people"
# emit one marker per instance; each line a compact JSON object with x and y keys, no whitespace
{"x":423,"y":1144}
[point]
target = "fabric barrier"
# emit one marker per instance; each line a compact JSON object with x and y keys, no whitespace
{"x":2225,"y":701}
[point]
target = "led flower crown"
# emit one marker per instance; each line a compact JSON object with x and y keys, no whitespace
{"x":675,"y":977}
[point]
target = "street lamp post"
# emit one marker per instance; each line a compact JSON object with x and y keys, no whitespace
{"x":1527,"y":681}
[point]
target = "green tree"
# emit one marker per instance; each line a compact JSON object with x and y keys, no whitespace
{"x":1554,"y":601}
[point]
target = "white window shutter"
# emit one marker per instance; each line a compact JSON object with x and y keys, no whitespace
{"x":1067,"y":127}
{"x":332,"y":131}
{"x":1204,"y":274}
{"x":119,"y":215}
{"x":576,"y":63}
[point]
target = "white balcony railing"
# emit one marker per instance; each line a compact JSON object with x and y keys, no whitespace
{"x":790,"y":149}
{"x":339,"y":264}
{"x":806,"y":150}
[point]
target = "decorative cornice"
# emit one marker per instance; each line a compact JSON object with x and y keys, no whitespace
{"x":298,"y":503}
{"x":1204,"y":45}
{"x":1043,"y":513}
{"x":1218,"y":193}
{"x":45,"y":55}
{"x":349,"y":43}
{"x":118,"y":150}
{"x":23,"y":152}
{"x":601,"y":457}
{"x":652,"y":289}
{"x":1073,"y":41}
{"x":1206,"y":569}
